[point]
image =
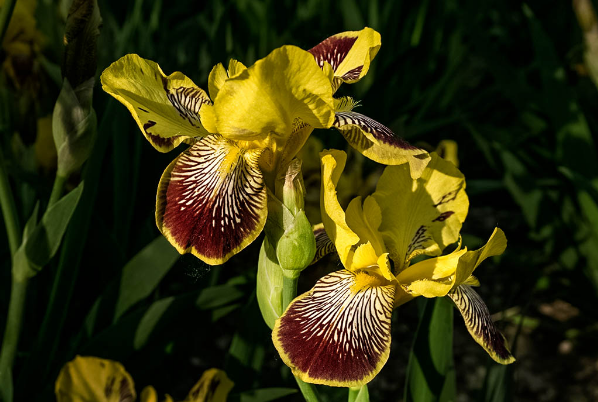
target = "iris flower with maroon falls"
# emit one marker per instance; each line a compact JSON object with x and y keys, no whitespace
{"x":212,"y":199}
{"x":338,"y":333}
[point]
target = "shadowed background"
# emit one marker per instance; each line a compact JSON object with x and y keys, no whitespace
{"x":503,"y":79}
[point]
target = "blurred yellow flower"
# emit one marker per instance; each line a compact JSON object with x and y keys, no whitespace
{"x":91,"y":379}
{"x":21,"y":43}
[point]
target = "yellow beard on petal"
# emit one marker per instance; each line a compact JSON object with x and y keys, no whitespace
{"x":365,"y":280}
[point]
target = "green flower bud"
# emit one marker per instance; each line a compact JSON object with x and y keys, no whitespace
{"x":73,"y":126}
{"x":83,"y":25}
{"x":297,"y":246}
{"x":293,"y":189}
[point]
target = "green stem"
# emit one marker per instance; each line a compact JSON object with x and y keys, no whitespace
{"x":355,"y":391}
{"x":309,"y":391}
{"x":289,"y":290}
{"x":9,"y":210}
{"x":5,"y":14}
{"x":57,"y":189}
{"x":13,"y":323}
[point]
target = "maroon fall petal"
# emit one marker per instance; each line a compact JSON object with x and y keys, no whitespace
{"x":212,"y":199}
{"x":336,"y":335}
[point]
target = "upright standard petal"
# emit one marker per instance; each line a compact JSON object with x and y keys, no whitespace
{"x":480,"y":325}
{"x":496,"y":245}
{"x":338,"y":333}
{"x":266,"y":98}
{"x":349,"y":53}
{"x":166,"y":109}
{"x":212,"y":200}
{"x":421,"y":216}
{"x":333,"y":216}
{"x":88,"y":378}
{"x":379,"y":143}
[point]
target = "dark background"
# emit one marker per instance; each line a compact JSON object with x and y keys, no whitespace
{"x":504,"y":79}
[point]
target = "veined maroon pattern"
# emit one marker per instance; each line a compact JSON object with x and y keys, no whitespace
{"x":379,"y":131}
{"x":333,"y":50}
{"x":335,"y":334}
{"x":478,"y":321}
{"x":188,"y":101}
{"x":212,"y":200}
{"x":324,"y":245}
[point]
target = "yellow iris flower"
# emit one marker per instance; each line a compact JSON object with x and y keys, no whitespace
{"x":338,"y":333}
{"x":22,"y":42}
{"x":91,"y":379}
{"x":212,"y":199}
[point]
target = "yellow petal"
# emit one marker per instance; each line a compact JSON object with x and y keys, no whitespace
{"x":496,"y":245}
{"x":378,"y":143}
{"x":338,"y":333}
{"x":235,"y":68}
{"x":349,"y":53}
{"x":333,"y":216}
{"x":216,"y":79}
{"x":365,"y":257}
{"x":212,"y":200}
{"x":480,"y":325}
{"x":213,"y":386}
{"x":148,"y":394}
{"x":87,"y":378}
{"x":364,"y":220}
{"x":266,"y":98}
{"x":166,"y":109}
{"x":447,"y":150}
{"x":433,"y":277}
{"x":421,"y":216}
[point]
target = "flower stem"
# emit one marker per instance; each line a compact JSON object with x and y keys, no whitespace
{"x":9,"y":210}
{"x":5,"y":14}
{"x":57,"y":189}
{"x":13,"y":328}
{"x":355,"y":392}
{"x":19,"y":286}
{"x":309,"y":391}
{"x":289,"y":292}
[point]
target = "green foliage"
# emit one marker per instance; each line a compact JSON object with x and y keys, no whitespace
{"x":430,"y":373}
{"x":499,"y":78}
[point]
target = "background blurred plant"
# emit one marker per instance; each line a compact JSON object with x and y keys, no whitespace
{"x":506,"y":81}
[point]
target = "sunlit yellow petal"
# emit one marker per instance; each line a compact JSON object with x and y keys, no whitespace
{"x":496,"y":245}
{"x":216,"y":79}
{"x":421,"y":216}
{"x":480,"y":325}
{"x":266,"y":98}
{"x":365,"y":256}
{"x":338,"y":333}
{"x":364,"y":220}
{"x":213,"y":386}
{"x":212,"y":200}
{"x":333,"y":216}
{"x":166,"y":109}
{"x":433,"y":277}
{"x":235,"y":68}
{"x":91,"y":379}
{"x":349,"y":53}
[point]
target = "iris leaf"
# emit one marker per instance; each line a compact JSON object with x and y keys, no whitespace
{"x":430,"y":373}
